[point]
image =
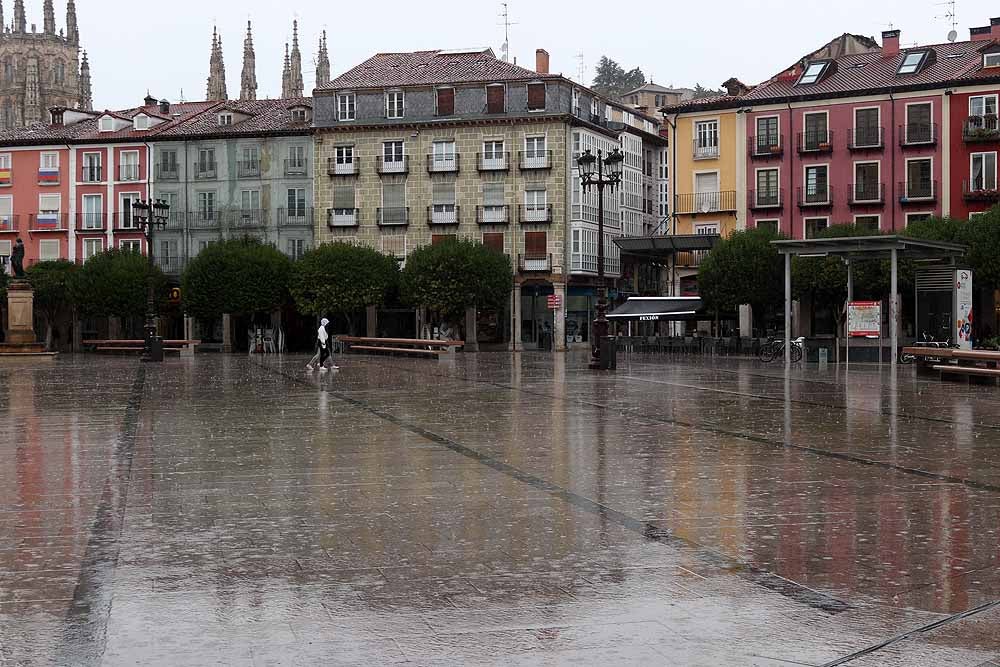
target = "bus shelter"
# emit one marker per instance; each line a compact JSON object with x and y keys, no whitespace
{"x":853,"y":248}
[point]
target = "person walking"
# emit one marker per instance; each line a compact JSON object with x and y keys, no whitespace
{"x":322,"y":348}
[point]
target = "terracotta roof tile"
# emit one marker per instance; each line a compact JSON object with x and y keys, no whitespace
{"x":263,"y":116}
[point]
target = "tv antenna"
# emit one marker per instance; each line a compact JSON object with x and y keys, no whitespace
{"x":581,"y":69}
{"x":507,"y":23}
{"x":951,"y":17}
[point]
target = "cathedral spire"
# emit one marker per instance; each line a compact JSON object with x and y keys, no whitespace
{"x":248,"y":80}
{"x":322,"y":63}
{"x":19,"y":21}
{"x":3,"y":26}
{"x":216,"y":71}
{"x":72,"y":31}
{"x":49,"y":20}
{"x":295,"y":84}
{"x":86,"y":101}
{"x":285,"y":75}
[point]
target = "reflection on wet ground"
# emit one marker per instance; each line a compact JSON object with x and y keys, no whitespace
{"x":495,"y":510}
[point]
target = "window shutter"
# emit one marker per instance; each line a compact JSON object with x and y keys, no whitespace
{"x":494,"y":241}
{"x":441,"y":238}
{"x":393,"y":195}
{"x":535,"y":244}
{"x":493,"y":194}
{"x":444,"y":192}
{"x":445,"y":101}
{"x":495,"y":99}
{"x":536,"y":96}
{"x":343,"y":196}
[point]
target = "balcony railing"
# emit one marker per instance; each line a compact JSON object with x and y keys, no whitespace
{"x":91,"y":174}
{"x":493,"y":215}
{"x":91,"y":222}
{"x":818,"y":141}
{"x":918,"y":134}
{"x":861,"y":194}
{"x":128,"y":172}
{"x":248,"y":169}
{"x":916,"y":191}
{"x":538,"y":159}
{"x":10,"y":223}
{"x":702,"y":151}
{"x":342,"y":217}
{"x":396,"y":165}
{"x":205,"y":171}
{"x":820,"y":196}
{"x":443,"y":214}
{"x":247,"y":218}
{"x":204,"y":219}
{"x":534,"y":263}
{"x":979,"y":190}
{"x":45,"y":221}
{"x":172,"y":265}
{"x":764,"y":199}
{"x":296,"y":167}
{"x":981,"y":128}
{"x":167,"y":172}
{"x":866,"y":139}
{"x":443,"y":164}
{"x":393,"y":216}
{"x":705,"y":202}
{"x":765,"y":146}
{"x":301,"y":216}
{"x":690,"y":259}
{"x":533,"y":214}
{"x":493,"y":161}
{"x":125,"y":221}
{"x":342,"y":167}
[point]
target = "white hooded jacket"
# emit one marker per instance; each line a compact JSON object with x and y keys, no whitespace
{"x":321,"y":333}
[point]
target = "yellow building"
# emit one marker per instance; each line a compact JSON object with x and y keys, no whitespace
{"x":707,"y":167}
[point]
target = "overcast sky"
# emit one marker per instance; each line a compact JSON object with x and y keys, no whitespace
{"x":673,"y":42}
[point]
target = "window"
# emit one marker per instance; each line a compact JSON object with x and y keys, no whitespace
{"x":6,"y":213}
{"x":206,"y":160}
{"x":493,"y":150}
{"x":706,"y":139}
{"x":168,"y":162}
{"x":249,"y":202}
{"x":225,"y":119}
{"x":343,"y":213}
{"x":981,"y":106}
{"x":49,"y":161}
{"x":141,"y":122}
{"x":595,"y":109}
{"x":129,"y":168}
{"x":496,"y":98}
{"x":576,"y":102}
{"x":983,"y":173}
{"x":767,"y":134}
{"x":494,"y":241}
{"x":767,"y":187}
{"x":300,"y":115}
{"x":48,"y":209}
{"x":867,"y":132}
{"x":4,"y":160}
{"x":92,"y":247}
{"x":867,"y":222}
{"x":296,"y":163}
{"x":295,"y":248}
{"x":394,"y":104}
{"x":535,"y":154}
{"x":813,"y":72}
{"x":91,"y":168}
{"x":867,"y":187}
{"x":345,"y":106}
{"x":912,"y":62}
{"x":93,"y":212}
{"x":296,"y":200}
{"x":131,"y":245}
{"x":48,"y":250}
{"x":125,"y":218}
{"x":206,"y":206}
{"x":814,"y":226}
{"x":536,"y":245}
{"x":917,"y":217}
{"x":918,"y":123}
{"x":767,"y":224}
{"x":918,"y":179}
{"x":445,"y":101}
{"x":991,"y":60}
{"x":393,"y":204}
{"x":60,"y":73}
{"x":706,"y":188}
{"x":392,"y":151}
{"x":106,"y":124}
{"x":443,"y":154}
{"x":815,"y":135}
{"x":494,"y":210}
{"x":536,"y":205}
{"x":536,"y":97}
{"x":817,"y":191}
{"x":443,"y":206}
{"x":344,"y":155}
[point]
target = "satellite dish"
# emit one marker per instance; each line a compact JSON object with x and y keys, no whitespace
{"x":952,"y":35}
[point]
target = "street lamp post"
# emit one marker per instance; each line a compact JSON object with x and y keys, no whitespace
{"x":149,"y":215}
{"x":600,"y":171}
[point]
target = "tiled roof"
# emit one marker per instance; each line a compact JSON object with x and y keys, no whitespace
{"x":424,"y":68}
{"x":713,"y":102}
{"x":263,"y":116}
{"x":866,"y":72}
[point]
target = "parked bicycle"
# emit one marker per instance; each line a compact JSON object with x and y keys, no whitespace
{"x":775,"y":349}
{"x":928,"y":341}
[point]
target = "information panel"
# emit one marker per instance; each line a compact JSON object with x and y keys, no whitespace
{"x":864,"y":318}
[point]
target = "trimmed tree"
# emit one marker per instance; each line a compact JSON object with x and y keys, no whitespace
{"x":238,"y":277}
{"x":453,"y":275}
{"x":342,"y":278}
{"x":981,"y":235}
{"x":742,"y":269}
{"x":113,"y":284}
{"x":52,"y":283}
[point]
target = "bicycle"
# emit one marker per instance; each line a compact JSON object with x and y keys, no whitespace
{"x":766,"y":351}
{"x":928,"y":341}
{"x":770,"y":352}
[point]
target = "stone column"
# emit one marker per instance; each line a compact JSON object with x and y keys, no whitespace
{"x":371,"y":321}
{"x":746,"y":321}
{"x":471,"y":334}
{"x":227,"y":334}
{"x":559,"y":319}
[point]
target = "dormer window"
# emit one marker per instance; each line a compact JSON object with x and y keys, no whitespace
{"x":225,"y":119}
{"x":106,"y":124}
{"x":140,"y":122}
{"x":814,"y":72}
{"x":912,"y":62}
{"x":300,"y":115}
{"x":991,"y":60}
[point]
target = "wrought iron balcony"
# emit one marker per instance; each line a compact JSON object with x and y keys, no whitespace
{"x":301,"y":216}
{"x":10,"y":223}
{"x":866,"y":194}
{"x":917,"y":191}
{"x":49,"y":176}
{"x":866,"y":139}
{"x":342,"y":166}
{"x":394,"y":165}
{"x":248,"y":169}
{"x":342,"y":217}
{"x":167,"y":172}
{"x":534,"y":214}
{"x":818,"y":196}
{"x":91,"y":222}
{"x":128,"y":172}
{"x":124,"y":221}
{"x":205,"y":170}
{"x":204,"y":219}
{"x":172,"y":265}
{"x":980,"y":191}
{"x":296,"y":167}
{"x":247,"y":218}
{"x":535,"y":159}
{"x":765,"y":146}
{"x":393,"y":216}
{"x":815,"y":141}
{"x":529,"y":263}
{"x":702,"y":151}
{"x":443,"y":164}
{"x":918,"y":134}
{"x":48,"y":221}
{"x":93,"y":174}
{"x":705,"y":202}
{"x":493,"y":215}
{"x":981,"y":128}
{"x":493,"y":161}
{"x":771,"y":198}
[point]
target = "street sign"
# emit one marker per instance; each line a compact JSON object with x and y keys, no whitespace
{"x":554,"y":301}
{"x":864,"y":318}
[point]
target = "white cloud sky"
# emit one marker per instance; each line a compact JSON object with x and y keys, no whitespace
{"x":680,"y":43}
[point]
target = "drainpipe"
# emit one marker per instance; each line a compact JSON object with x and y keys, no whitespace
{"x":892,"y":159}
{"x":791,"y":173}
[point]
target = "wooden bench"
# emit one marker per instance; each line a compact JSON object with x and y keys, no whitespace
{"x":184,"y":348}
{"x":409,"y":346}
{"x":971,"y":365}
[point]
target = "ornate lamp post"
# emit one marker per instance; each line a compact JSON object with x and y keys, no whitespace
{"x":600,"y":171}
{"x":147,"y":216}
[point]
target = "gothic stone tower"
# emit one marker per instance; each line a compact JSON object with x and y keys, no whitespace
{"x":39,"y":70}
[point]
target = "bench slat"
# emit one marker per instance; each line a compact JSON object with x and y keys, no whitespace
{"x":401,"y":341}
{"x":967,"y":370}
{"x":409,"y":350}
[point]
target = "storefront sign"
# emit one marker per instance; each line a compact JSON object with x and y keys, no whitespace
{"x":963,"y":309}
{"x":864,"y":318}
{"x":649,"y":318}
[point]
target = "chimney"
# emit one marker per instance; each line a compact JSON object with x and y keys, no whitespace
{"x":995,"y":27}
{"x":164,"y":107}
{"x":980,"y":34}
{"x":890,"y":43}
{"x":148,"y":100}
{"x":541,"y":61}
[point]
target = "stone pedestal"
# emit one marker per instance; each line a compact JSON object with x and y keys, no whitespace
{"x":20,"y":313}
{"x":471,"y":335}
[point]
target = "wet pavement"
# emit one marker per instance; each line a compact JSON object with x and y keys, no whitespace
{"x":495,"y":510}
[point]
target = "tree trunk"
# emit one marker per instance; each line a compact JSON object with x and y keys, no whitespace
{"x":48,"y":333}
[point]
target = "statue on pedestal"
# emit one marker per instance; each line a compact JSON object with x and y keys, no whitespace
{"x":17,"y":258}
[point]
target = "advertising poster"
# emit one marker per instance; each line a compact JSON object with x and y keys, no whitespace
{"x":963,"y":309}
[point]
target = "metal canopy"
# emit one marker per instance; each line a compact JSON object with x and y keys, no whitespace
{"x":871,"y":247}
{"x":657,"y":308}
{"x":665,"y":245}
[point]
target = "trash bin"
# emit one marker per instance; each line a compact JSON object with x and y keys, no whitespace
{"x":609,"y":353}
{"x":824,"y":355}
{"x":156,"y":348}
